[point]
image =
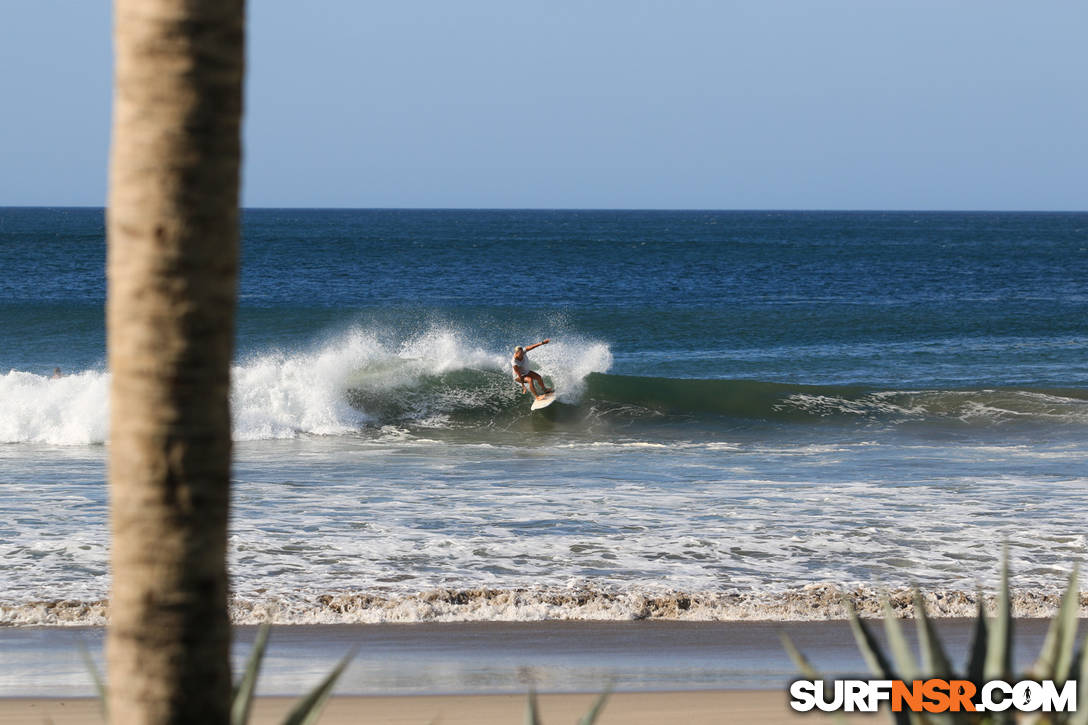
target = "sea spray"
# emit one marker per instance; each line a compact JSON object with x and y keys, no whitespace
{"x":442,"y":378}
{"x":355,"y":382}
{"x":70,"y":410}
{"x":427,"y":380}
{"x":280,"y":395}
{"x":567,"y":364}
{"x":355,"y":379}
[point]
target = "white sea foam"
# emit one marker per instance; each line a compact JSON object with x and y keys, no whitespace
{"x":72,"y":410}
{"x":394,"y":517}
{"x":812,"y":602}
{"x":396,"y":527}
{"x":569,"y":363}
{"x":968,"y":406}
{"x":281,"y":395}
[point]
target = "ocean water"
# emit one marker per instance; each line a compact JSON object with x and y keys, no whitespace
{"x":755,"y":409}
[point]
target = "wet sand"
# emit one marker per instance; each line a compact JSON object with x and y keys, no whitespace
{"x":471,"y":658}
{"x":479,"y":673}
{"x":642,"y":708}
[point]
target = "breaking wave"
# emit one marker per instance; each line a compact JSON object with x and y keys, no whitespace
{"x":72,"y":410}
{"x":353,"y":381}
{"x":441,"y":379}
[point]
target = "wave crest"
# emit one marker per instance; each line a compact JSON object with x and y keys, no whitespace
{"x":72,"y":410}
{"x":443,"y":378}
{"x":337,"y":388}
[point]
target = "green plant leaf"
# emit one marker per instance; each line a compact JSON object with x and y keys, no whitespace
{"x":242,"y":699}
{"x":598,"y":705}
{"x":308,"y":708}
{"x":532,"y":715}
{"x":1074,"y":666}
{"x":799,"y":660}
{"x":905,"y":663}
{"x":806,"y":668}
{"x":99,"y":685}
{"x":999,"y":644}
{"x":1056,"y":655}
{"x":874,"y":656}
{"x":934,"y":659}
{"x":878,"y":663}
{"x":976,"y":661}
{"x":1080,"y":717}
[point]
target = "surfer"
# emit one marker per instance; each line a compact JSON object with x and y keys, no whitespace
{"x":525,"y":376}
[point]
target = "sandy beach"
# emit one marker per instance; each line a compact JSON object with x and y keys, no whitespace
{"x":462,"y":673}
{"x":643,"y":708}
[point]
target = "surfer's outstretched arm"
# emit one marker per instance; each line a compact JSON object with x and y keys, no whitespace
{"x":529,"y":379}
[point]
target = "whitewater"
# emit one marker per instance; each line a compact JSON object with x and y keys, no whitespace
{"x":283,"y":395}
{"x":360,"y":381}
{"x":758,"y":413}
{"x":385,"y":479}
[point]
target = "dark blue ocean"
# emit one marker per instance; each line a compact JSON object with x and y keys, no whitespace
{"x":750,"y":403}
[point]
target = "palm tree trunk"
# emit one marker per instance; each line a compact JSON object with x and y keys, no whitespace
{"x":172,"y":271}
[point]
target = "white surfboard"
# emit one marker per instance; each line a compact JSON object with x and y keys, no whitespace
{"x":544,"y":401}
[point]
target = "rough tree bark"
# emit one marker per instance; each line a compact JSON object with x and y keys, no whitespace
{"x":172,"y":271}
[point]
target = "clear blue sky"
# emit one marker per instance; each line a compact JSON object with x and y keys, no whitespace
{"x":747,"y":104}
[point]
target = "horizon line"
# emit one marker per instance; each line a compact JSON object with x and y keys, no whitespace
{"x":842,"y":210}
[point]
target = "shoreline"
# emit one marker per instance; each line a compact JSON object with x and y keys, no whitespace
{"x":808,"y":603}
{"x":454,"y":659}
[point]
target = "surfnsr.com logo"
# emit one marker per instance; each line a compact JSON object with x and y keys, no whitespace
{"x":933,"y":695}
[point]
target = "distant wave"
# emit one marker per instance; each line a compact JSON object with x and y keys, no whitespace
{"x":808,"y":603}
{"x":440,"y":379}
{"x":749,"y":399}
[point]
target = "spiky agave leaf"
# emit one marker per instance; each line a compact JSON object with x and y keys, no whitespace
{"x":999,"y":644}
{"x":873,"y":654}
{"x":870,"y":649}
{"x":799,"y":659}
{"x":976,"y":661}
{"x":806,"y":668}
{"x":307,"y":710}
{"x":598,"y":705}
{"x":935,"y":660}
{"x":905,"y":662}
{"x":1080,"y":717}
{"x":99,"y":685}
{"x":532,"y":714}
{"x":1057,"y":652}
{"x":242,"y":698}
{"x":907,"y":665}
